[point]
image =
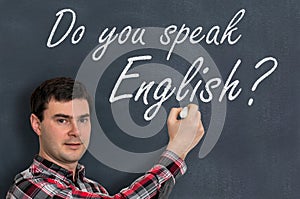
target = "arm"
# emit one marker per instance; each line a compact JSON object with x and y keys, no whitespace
{"x":169,"y":168}
{"x":179,"y":131}
{"x":184,"y":136}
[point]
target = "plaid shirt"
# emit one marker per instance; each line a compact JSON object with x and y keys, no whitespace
{"x":44,"y":179}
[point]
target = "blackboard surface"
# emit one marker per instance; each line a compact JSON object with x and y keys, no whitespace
{"x":257,"y":154}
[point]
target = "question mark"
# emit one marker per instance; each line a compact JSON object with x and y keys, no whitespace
{"x":268,"y":73}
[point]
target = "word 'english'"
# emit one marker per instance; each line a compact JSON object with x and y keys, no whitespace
{"x":165,"y":89}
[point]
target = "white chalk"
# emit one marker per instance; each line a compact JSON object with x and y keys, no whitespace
{"x":183,"y":114}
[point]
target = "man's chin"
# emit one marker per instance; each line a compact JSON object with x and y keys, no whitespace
{"x":72,"y":158}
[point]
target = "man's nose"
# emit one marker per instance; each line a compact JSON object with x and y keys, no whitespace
{"x":74,"y":130}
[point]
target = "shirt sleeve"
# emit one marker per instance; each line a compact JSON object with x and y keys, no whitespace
{"x":159,"y":180}
{"x":167,"y":187}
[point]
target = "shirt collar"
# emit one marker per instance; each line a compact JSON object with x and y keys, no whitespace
{"x":41,"y":165}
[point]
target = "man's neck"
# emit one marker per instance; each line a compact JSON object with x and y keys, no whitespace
{"x":68,"y":166}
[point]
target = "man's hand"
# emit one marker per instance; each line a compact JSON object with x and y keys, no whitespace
{"x":184,"y":134}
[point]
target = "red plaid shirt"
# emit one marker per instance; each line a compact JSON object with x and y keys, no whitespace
{"x":44,"y":179}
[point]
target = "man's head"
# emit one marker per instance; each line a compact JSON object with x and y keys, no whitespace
{"x":60,"y":89}
{"x":61,"y":118}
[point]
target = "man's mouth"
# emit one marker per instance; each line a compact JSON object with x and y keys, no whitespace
{"x":73,"y":145}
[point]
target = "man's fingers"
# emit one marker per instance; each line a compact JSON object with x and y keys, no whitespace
{"x":184,"y":134}
{"x":193,"y":109}
{"x":174,"y":114}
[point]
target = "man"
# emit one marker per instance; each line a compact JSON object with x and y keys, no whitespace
{"x":61,"y":119}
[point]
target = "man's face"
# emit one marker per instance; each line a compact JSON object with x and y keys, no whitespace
{"x":65,"y":131}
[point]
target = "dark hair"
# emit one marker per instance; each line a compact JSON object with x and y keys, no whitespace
{"x":61,"y":89}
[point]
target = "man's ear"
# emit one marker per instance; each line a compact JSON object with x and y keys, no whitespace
{"x":35,"y":124}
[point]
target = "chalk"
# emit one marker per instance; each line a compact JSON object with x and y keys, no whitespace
{"x":183,"y":114}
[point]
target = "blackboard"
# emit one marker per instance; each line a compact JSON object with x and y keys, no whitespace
{"x":257,"y":132}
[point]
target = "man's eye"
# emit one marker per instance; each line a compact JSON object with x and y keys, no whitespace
{"x":62,"y":121}
{"x":83,"y":120}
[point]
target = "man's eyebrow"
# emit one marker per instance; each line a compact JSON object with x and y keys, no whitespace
{"x":62,"y":115}
{"x":70,"y":117}
{"x":85,"y":115}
